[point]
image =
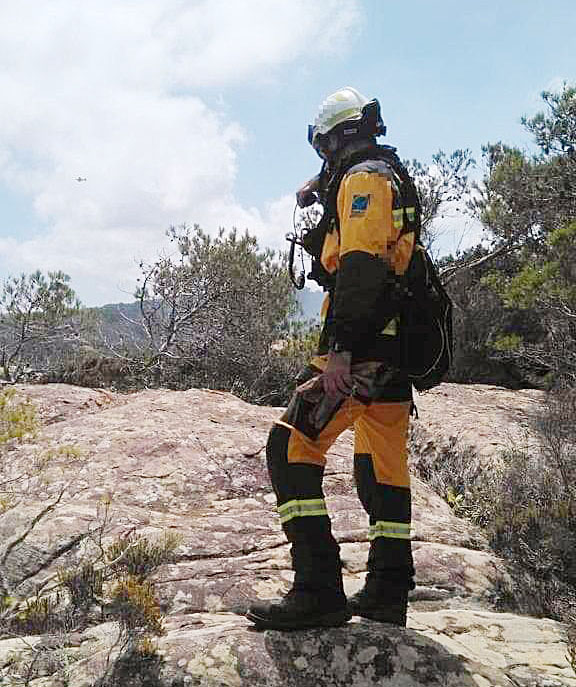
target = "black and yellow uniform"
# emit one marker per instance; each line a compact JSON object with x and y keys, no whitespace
{"x":368,"y":244}
{"x":366,"y":248}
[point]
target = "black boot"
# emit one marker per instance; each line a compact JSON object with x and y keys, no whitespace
{"x":316,"y":599}
{"x":380,"y":601}
{"x":301,"y":609}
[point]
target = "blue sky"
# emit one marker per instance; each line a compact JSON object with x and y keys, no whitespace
{"x":446,"y":77}
{"x":197,"y":112}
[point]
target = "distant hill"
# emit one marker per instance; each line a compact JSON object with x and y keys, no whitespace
{"x":120,"y":320}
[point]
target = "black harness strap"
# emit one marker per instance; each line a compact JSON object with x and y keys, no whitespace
{"x":313,"y":241}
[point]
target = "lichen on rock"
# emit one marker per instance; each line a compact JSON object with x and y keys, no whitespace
{"x":191,"y":463}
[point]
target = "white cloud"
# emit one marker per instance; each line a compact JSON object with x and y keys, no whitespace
{"x":455,"y":230}
{"x":112,"y":90}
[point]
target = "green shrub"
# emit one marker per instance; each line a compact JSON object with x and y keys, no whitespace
{"x":110,"y":585}
{"x":526,"y":503}
{"x":134,"y":606}
{"x":39,"y":615}
{"x":138,"y":557}
{"x":84,"y":584}
{"x":17,"y":417}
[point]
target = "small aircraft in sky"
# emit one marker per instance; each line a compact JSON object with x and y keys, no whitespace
{"x":80,"y":178}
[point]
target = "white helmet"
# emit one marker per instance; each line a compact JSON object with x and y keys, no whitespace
{"x":345,"y":105}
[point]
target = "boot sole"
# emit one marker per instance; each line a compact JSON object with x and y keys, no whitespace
{"x":380,"y":618}
{"x":336,"y":619}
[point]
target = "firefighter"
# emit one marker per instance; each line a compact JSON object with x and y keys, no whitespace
{"x":361,"y":247}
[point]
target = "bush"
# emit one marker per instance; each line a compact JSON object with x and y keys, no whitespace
{"x":138,"y":557}
{"x":17,"y":417}
{"x":485,"y":329}
{"x":109,"y":582}
{"x":212,"y":316}
{"x":133,"y":604}
{"x":526,"y":502}
{"x":112,"y":585}
{"x":39,"y":316}
{"x":84,"y":585}
{"x":95,"y":370}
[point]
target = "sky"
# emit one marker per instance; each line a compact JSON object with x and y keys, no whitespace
{"x":196,"y":111}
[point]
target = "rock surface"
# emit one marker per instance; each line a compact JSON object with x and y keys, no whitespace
{"x":488,"y":418}
{"x":193,"y":462}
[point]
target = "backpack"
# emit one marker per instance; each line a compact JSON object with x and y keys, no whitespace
{"x":425,"y":326}
{"x":424,"y":307}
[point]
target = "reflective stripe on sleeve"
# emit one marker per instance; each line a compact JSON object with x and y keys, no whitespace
{"x":411,"y":214}
{"x":391,"y":329}
{"x":398,"y":216}
{"x":301,"y":509}
{"x":391,"y":530}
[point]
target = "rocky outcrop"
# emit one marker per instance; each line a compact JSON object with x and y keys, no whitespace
{"x":193,"y":462}
{"x":488,"y":418}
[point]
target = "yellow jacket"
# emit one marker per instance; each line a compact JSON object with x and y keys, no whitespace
{"x":367,"y":250}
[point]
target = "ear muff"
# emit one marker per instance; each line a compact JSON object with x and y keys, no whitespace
{"x":371,"y":123}
{"x":311,"y":132}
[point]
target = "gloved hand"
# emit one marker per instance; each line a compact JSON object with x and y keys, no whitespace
{"x":337,"y":377}
{"x":306,"y":195}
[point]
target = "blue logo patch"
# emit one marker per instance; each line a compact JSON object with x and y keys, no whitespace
{"x":359,"y":205}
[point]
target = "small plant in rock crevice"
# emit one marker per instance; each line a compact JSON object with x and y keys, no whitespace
{"x":113,"y":585}
{"x":109,"y":581}
{"x":133,"y":605}
{"x":18,"y":417}
{"x":84,"y":584}
{"x":139,"y":557}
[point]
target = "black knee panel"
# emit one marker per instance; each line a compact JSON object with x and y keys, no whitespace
{"x":277,"y":455}
{"x":380,"y":501}
{"x":290,"y":480}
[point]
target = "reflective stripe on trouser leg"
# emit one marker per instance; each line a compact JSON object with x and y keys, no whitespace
{"x":301,"y":508}
{"x":391,"y":530}
{"x":304,"y":517}
{"x":383,"y":483}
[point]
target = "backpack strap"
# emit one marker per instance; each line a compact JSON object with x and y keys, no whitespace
{"x":406,"y":213}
